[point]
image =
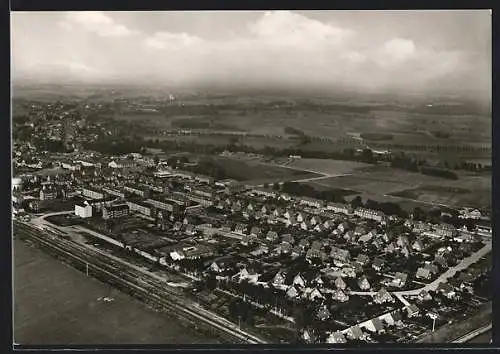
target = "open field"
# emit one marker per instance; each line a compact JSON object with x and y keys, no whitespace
{"x":378,"y":179}
{"x":388,"y":184}
{"x":468,"y":192}
{"x":327,"y":167}
{"x":56,"y":304}
{"x":256,"y":172}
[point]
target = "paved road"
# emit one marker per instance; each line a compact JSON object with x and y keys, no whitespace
{"x":463,"y":264}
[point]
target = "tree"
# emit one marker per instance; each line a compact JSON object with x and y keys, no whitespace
{"x":357,"y":202}
{"x":419,"y":214}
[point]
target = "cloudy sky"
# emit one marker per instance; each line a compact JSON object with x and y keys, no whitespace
{"x":375,"y":50}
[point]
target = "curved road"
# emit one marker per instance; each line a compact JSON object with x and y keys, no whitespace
{"x":463,"y":264}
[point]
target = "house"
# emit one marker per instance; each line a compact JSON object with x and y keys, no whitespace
{"x":363,"y":259}
{"x":304,"y":243}
{"x":272,"y":236}
{"x":412,"y":310}
{"x":313,"y":253}
{"x":315,"y":294}
{"x":417,"y":246}
{"x":248,"y":240}
{"x":445,"y":230}
{"x":329,"y":224}
{"x":304,"y":225}
{"x":177,"y":226}
{"x":349,"y":272}
{"x":298,"y":280}
{"x":339,"y":295}
{"x":399,"y":280}
{"x":300,"y":217}
{"x":340,"y":283}
{"x":433,"y":269}
{"x":318,"y":281}
{"x":296,"y":251}
{"x":354,"y":332}
{"x":284,"y":247}
{"x":382,"y":296}
{"x":378,"y":264}
{"x":375,"y":325}
{"x":291,"y":221}
{"x":214,"y":267}
{"x":359,"y":230}
{"x":447,"y":290}
{"x":336,"y":338}
{"x":423,"y":273}
{"x":343,"y":227}
{"x":240,"y":229}
{"x":288,"y":238}
{"x":316,"y":220}
{"x":350,"y":236}
{"x":392,"y":318}
{"x":190,"y":230}
{"x":279,"y":279}
{"x":402,"y":241}
{"x":306,"y":336}
{"x":292,"y":292}
{"x":463,"y":237}
{"x":424,"y":295}
{"x":323,"y":313}
{"x":262,"y":249}
{"x":340,"y":254}
{"x":255,"y":231}
{"x":363,"y":283}
{"x":365,"y":238}
{"x":319,"y":228}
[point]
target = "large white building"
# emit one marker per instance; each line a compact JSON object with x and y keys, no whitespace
{"x":83,"y":210}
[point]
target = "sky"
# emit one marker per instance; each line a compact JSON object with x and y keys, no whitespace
{"x":446,"y":51}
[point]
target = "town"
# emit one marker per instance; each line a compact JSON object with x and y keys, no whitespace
{"x":280,"y":266}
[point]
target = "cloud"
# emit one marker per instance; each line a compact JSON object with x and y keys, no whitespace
{"x":96,"y":22}
{"x":175,"y":41}
{"x":277,"y":47}
{"x":293,"y":29}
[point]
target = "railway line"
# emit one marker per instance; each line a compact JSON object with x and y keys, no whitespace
{"x":146,"y":287}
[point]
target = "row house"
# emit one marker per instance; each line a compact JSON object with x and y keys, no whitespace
{"x":370,"y":214}
{"x":445,"y":230}
{"x":312,"y":202}
{"x":339,"y":208}
{"x":92,"y":193}
{"x":264,"y":192}
{"x":140,"y":207}
{"x":115,"y":211}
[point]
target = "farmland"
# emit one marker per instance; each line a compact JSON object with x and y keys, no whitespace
{"x":473,"y":191}
{"x":71,"y":310}
{"x":387,"y":184}
{"x":327,"y":167}
{"x":257,"y":172}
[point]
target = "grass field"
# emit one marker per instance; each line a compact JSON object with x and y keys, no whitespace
{"x":56,"y":304}
{"x":328,"y":167}
{"x":256,"y":172}
{"x":455,"y":193}
{"x":378,"y":179}
{"x":387,"y":184}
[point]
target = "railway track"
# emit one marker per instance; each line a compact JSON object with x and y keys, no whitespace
{"x":150,"y":289}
